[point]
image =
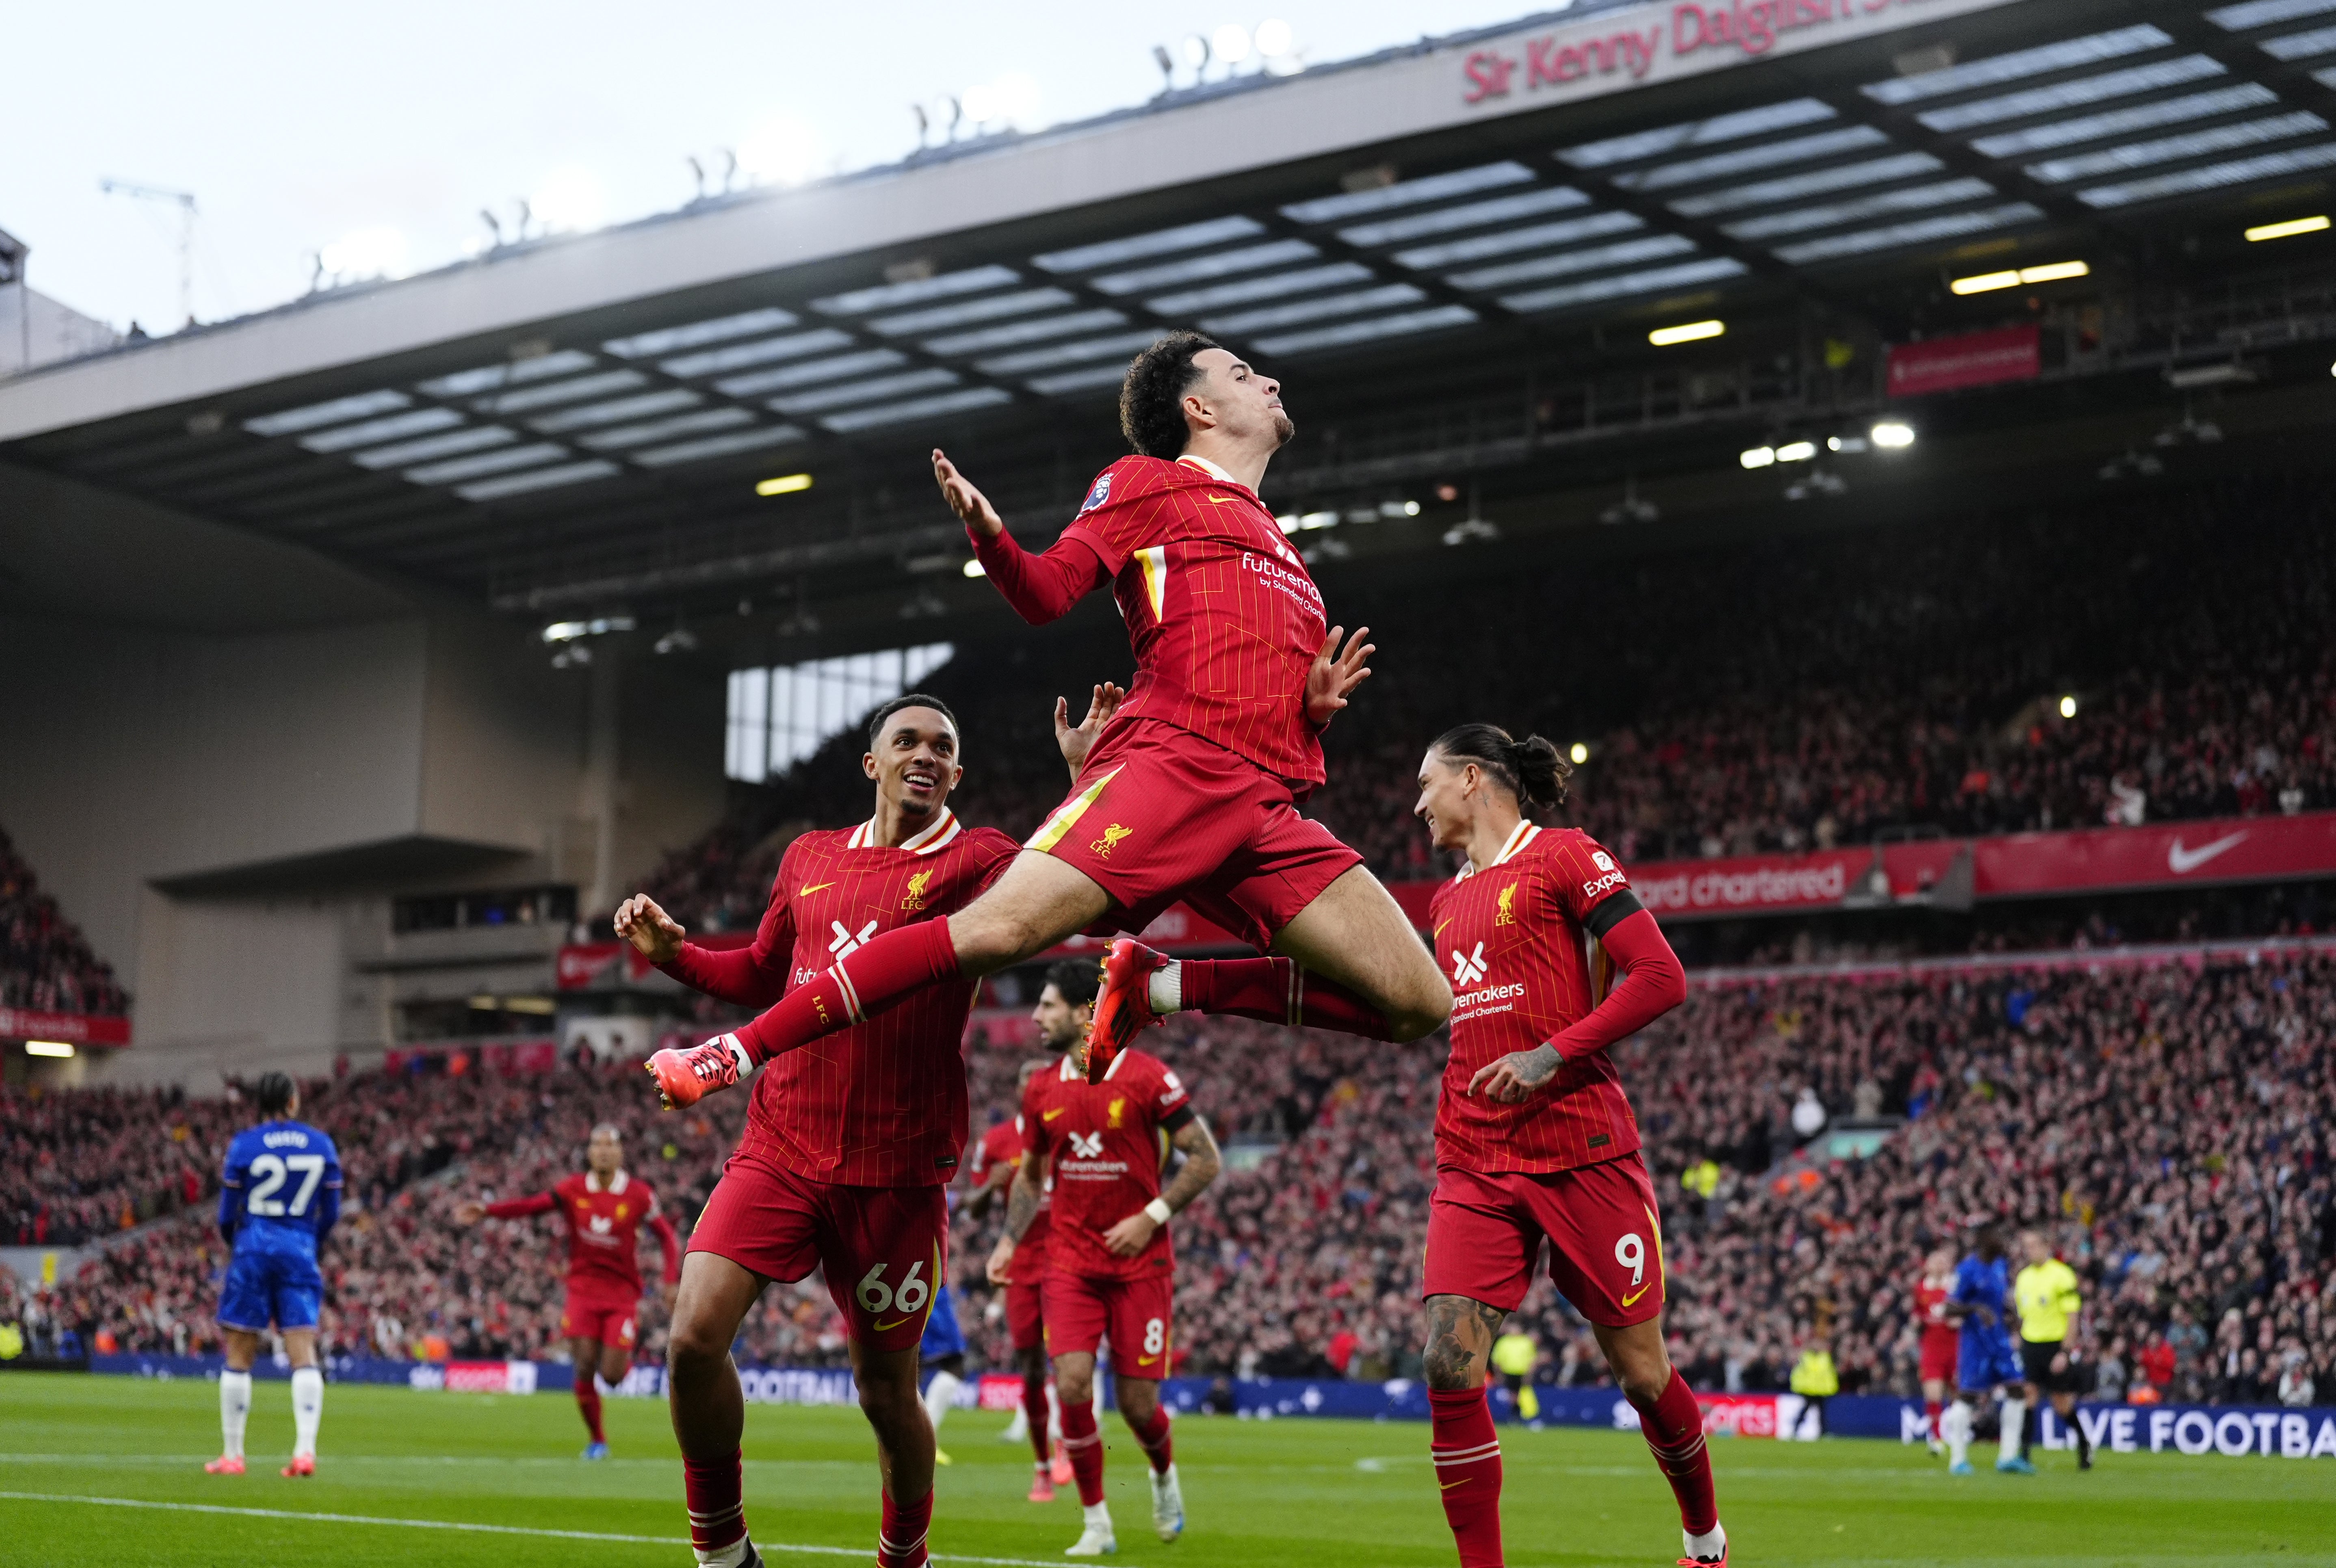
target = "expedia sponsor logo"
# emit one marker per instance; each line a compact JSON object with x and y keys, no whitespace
{"x":1592,"y":889}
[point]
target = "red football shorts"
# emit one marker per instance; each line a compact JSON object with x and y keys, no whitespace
{"x":1134,"y":1314}
{"x":1159,"y":814}
{"x":1605,"y":1243}
{"x":882,"y":1248}
{"x":599,"y":1317}
{"x":1939,"y":1356}
{"x":1026,"y":1317}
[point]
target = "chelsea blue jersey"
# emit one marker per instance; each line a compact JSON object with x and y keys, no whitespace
{"x":1983,"y":1284}
{"x":281,"y":1190}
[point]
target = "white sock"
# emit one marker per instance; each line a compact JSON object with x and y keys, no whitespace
{"x":939,"y":1395}
{"x":1711,"y":1544}
{"x":2015,"y":1417}
{"x":1019,"y":1430}
{"x":234,"y":1409}
{"x":1053,"y":1413}
{"x":1096,"y":1515}
{"x":308,"y":1409}
{"x":1955,"y":1427}
{"x":1167,"y":987}
{"x":730,"y":1556}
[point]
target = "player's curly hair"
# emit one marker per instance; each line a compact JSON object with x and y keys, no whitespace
{"x":1150,"y":399}
{"x":909,"y":699}
{"x":273,"y":1093}
{"x":1079,"y":979}
{"x":1529,"y":769}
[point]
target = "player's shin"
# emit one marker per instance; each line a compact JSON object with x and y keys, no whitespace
{"x":234,"y":1412}
{"x":2014,"y":1417}
{"x":878,"y":976}
{"x":1084,"y":1442}
{"x":1035,"y":1416}
{"x":901,"y":1539}
{"x":717,"y":1510}
{"x":1466,"y":1452}
{"x":1672,"y":1424}
{"x":307,"y":1410}
{"x":1276,"y":990}
{"x":587,"y":1401}
{"x":1152,"y":1437}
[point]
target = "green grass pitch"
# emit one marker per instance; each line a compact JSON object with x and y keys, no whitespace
{"x":1357,"y":1495}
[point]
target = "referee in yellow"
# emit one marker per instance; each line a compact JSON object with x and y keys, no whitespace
{"x":2049,"y":1301}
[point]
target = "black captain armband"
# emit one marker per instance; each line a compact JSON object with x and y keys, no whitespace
{"x":1174,"y":1121}
{"x":1612,"y":912}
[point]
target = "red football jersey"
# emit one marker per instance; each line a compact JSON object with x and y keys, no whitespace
{"x":1007,"y":1144}
{"x":1105,"y":1143}
{"x":881,"y":1104}
{"x":1931,"y":1298}
{"x":1224,"y":619}
{"x":604,"y":1230}
{"x":1522,"y":968}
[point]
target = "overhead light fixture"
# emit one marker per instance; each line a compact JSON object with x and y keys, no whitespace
{"x":1796,"y":451}
{"x":2067,"y":707}
{"x":1580,"y":754}
{"x":1757,"y":457}
{"x":569,"y":630}
{"x":2048,"y":272}
{"x":1692,"y":332}
{"x":784,"y":484}
{"x":2287,"y":231}
{"x":2192,"y":376}
{"x":48,"y":1048}
{"x":975,"y":568}
{"x":680,"y":639}
{"x":1890,"y":432}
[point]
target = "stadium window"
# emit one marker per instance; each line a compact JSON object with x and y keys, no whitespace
{"x":779,"y":716}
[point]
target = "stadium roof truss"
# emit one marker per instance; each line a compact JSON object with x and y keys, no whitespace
{"x":2072,"y":127}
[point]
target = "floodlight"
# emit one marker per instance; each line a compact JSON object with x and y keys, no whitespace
{"x":48,"y":1048}
{"x":2067,"y":707}
{"x":1796,"y":451}
{"x":1757,"y":457}
{"x":1229,"y":42}
{"x":2055,"y":272}
{"x":1692,"y":332}
{"x":1890,"y":432}
{"x":2287,"y":231}
{"x":1274,"y":38}
{"x":1985,"y":282}
{"x":784,"y":484}
{"x":1580,"y":754}
{"x":1195,"y":50}
{"x":975,"y":568}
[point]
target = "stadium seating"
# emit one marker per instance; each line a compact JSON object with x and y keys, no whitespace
{"x":2166,"y":1122}
{"x":45,"y":963}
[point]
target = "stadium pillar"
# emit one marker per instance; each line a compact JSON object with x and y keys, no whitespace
{"x":603,"y":768}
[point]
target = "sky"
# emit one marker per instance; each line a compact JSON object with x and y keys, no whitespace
{"x":373,"y":135}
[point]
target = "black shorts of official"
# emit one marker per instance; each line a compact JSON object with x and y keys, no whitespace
{"x":2035,"y":1361}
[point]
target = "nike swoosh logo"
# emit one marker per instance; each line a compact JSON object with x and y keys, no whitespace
{"x":812,"y":889}
{"x":1447,"y":1486}
{"x":1641,"y":1290}
{"x":896,"y":1322}
{"x":1048,"y":1115}
{"x":2181,"y":861}
{"x":1219,"y":500}
{"x":1439,"y":931}
{"x":1145,"y":1360}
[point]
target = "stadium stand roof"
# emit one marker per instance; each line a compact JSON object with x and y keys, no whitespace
{"x":573,"y":423}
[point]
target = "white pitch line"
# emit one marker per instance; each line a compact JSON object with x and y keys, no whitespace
{"x":766,"y":1547}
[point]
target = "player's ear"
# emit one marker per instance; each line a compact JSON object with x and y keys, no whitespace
{"x":867,"y":763}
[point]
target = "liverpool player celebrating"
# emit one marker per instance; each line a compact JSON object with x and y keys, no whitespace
{"x":1110,"y":1269}
{"x":1534,"y":1139}
{"x":603,"y":1209}
{"x":1193,"y":791}
{"x":846,"y":1148}
{"x":996,"y":1159}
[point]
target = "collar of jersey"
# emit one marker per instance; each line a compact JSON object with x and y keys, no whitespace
{"x":616,"y":1184}
{"x":1070,"y":1071}
{"x":863,"y":837}
{"x":1526,"y":834}
{"x":1214,"y":472}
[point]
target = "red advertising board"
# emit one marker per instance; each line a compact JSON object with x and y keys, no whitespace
{"x":79,"y":1029}
{"x":2226,"y":850}
{"x":1972,"y":359}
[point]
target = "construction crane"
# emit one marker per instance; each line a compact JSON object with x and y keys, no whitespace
{"x":185,"y":202}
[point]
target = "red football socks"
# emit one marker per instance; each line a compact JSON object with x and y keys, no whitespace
{"x":881,"y":976}
{"x":1673,"y":1427}
{"x":1034,"y":1411}
{"x":588,"y":1400}
{"x":1467,"y":1454}
{"x":1154,"y":1439}
{"x":1279,"y":992}
{"x":717,"y":1510}
{"x":1084,"y":1444}
{"x":901,"y":1542}
{"x":1930,"y":1409}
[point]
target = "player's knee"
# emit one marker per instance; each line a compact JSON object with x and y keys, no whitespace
{"x":695,"y":1345}
{"x":1447,"y":1366}
{"x":1074,"y":1388}
{"x":883,"y":1401}
{"x":1138,"y":1399}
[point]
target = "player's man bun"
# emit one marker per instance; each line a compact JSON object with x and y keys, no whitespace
{"x":1529,"y":769}
{"x":912,"y":699}
{"x":273,"y":1093}
{"x":1079,"y":979}
{"x":1151,"y":400}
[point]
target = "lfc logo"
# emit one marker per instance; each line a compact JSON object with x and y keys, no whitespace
{"x":1114,"y":1111}
{"x":917,"y":885}
{"x":1508,"y":901}
{"x":1101,"y":848}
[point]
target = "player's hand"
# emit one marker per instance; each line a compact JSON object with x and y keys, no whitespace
{"x":2060,"y":1364}
{"x":1517,"y":1076}
{"x":1131,"y":1235}
{"x":1985,"y":1315}
{"x":1337,"y":674}
{"x":1075,"y":741}
{"x":655,"y":935}
{"x":972,"y":508}
{"x":1001,"y":1262}
{"x":469,"y":1213}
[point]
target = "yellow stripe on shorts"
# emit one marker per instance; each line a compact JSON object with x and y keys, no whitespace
{"x":1067,"y":815}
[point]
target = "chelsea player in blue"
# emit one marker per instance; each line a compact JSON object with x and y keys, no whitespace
{"x":278,"y":1197}
{"x":1985,"y":1361}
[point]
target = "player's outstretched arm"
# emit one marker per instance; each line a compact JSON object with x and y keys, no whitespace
{"x":1337,"y":672}
{"x":972,"y":507}
{"x":654,"y":935}
{"x":1040,"y":587}
{"x":1204,"y":1162}
{"x":1074,"y":741}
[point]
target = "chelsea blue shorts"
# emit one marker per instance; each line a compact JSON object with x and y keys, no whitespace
{"x":263,"y":1288}
{"x":943,"y":1334}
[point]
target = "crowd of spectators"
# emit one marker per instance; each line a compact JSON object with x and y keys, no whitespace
{"x":2165,"y":1125}
{"x":1784,"y":694}
{"x":45,"y":963}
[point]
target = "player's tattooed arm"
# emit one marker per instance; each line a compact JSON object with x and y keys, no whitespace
{"x":1460,"y":1334}
{"x":1076,"y":740}
{"x":1202,"y":1164}
{"x":1517,"y":1076}
{"x":1021,"y":1208}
